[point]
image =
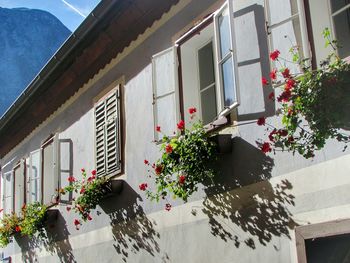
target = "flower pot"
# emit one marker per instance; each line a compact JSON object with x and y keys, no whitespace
{"x":223,"y":143}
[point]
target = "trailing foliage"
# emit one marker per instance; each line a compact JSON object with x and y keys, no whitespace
{"x":33,"y":217}
{"x":9,"y":225}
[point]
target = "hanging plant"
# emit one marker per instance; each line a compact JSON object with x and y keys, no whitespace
{"x":9,"y":225}
{"x":313,"y":105}
{"x":183,"y":163}
{"x":91,"y":191}
{"x":33,"y":218}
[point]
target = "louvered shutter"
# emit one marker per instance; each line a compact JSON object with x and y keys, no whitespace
{"x":166,"y":106}
{"x":107,"y":135}
{"x":287,"y":28}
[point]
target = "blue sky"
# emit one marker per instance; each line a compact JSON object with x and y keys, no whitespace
{"x":70,"y":12}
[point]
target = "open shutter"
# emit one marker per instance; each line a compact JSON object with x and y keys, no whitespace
{"x":34,"y":177}
{"x":19,"y":186}
{"x":226,"y":58}
{"x":286,"y":27}
{"x":166,"y":106}
{"x":7,"y":182}
{"x":107,"y":136}
{"x":49,"y":155}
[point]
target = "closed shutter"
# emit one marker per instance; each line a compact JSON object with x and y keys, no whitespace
{"x":166,"y":106}
{"x":107,"y":135}
{"x":286,"y":27}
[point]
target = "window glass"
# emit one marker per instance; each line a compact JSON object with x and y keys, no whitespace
{"x":224,"y":33}
{"x":35,"y":177}
{"x":338,"y":4}
{"x":208,"y":101}
{"x":228,"y":82}
{"x":206,"y":66}
{"x":280,"y":10}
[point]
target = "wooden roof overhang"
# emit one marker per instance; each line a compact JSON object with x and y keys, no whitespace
{"x":111,"y":27}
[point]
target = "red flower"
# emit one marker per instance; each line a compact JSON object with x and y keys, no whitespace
{"x":91,"y":178}
{"x":146,"y":162}
{"x":283,"y":133}
{"x":68,"y":208}
{"x":274,"y":54}
{"x":261,"y":121}
{"x":18,"y":229}
{"x":264,"y":81}
{"x":273,"y":74}
{"x":285,"y":96}
{"x":192,"y":110}
{"x":272,"y":134}
{"x":265,"y":147}
{"x":143,"y":186}
{"x":71,"y":179}
{"x":76,"y":223}
{"x":82,"y":190}
{"x":158,"y":128}
{"x":158,"y":169}
{"x":290,"y":139}
{"x":82,"y":170}
{"x":290,"y":83}
{"x":1,"y":210}
{"x":93,"y":172}
{"x":286,"y":73}
{"x":168,"y":149}
{"x":272,"y":96}
{"x":89,"y":218}
{"x":167,"y":207}
{"x":182,"y":179}
{"x":181,"y":125}
{"x":153,"y":165}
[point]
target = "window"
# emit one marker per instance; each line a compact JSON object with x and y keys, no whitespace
{"x":107,"y":134}
{"x":286,"y":28}
{"x":19,"y":186}
{"x":34,"y":177}
{"x":49,"y":170}
{"x":208,"y":65}
{"x":340,"y":12}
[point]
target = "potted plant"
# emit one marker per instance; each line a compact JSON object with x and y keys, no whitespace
{"x":314,"y":104}
{"x":183,"y":163}
{"x":33,"y":219}
{"x":9,"y":225}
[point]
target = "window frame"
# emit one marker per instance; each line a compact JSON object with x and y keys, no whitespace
{"x":115,"y":87}
{"x":212,"y":18}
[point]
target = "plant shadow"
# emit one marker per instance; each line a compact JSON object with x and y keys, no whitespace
{"x":53,"y":239}
{"x":241,"y":195}
{"x":132,"y":231}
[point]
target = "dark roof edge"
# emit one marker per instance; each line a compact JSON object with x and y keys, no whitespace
{"x":77,"y":37}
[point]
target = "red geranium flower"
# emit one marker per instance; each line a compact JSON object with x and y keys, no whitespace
{"x":285,"y":96}
{"x":182,"y":179}
{"x":265,"y":147}
{"x":274,"y":54}
{"x":158,"y":128}
{"x":71,"y":179}
{"x":167,"y":207}
{"x":264,"y":81}
{"x":290,"y":83}
{"x":261,"y":121}
{"x":272,"y":96}
{"x":68,"y":208}
{"x":93,"y":172}
{"x":192,"y":110}
{"x":272,"y":134}
{"x":82,"y":170}
{"x":143,"y":186}
{"x":91,"y":178}
{"x":286,"y":73}
{"x":273,"y":74}
{"x":18,"y":229}
{"x":82,"y":190}
{"x":146,"y":162}
{"x":89,"y":218}
{"x":168,"y":149}
{"x":158,"y":169}
{"x":283,"y":133}
{"x":181,"y":125}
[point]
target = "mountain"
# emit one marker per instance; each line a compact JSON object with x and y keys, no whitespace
{"x":28,"y":38}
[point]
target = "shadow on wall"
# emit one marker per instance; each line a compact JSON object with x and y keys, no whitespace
{"x":132,"y":231}
{"x":241,"y":195}
{"x":55,"y":242}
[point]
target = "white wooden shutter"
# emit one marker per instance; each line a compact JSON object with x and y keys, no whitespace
{"x":286,"y":27}
{"x":49,"y":155}
{"x":107,"y":135}
{"x":166,"y":108}
{"x":19,"y":184}
{"x":7,"y":181}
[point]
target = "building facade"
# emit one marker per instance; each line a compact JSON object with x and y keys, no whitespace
{"x":132,"y":66}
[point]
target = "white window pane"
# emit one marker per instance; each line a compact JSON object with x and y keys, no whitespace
{"x":206,"y":66}
{"x":338,"y":4}
{"x":228,"y":82}
{"x":8,"y":193}
{"x":208,"y":101}
{"x":281,"y":10}
{"x":224,"y":33}
{"x":35,"y":178}
{"x":342,"y":32}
